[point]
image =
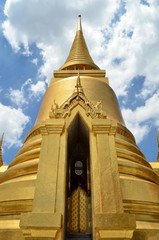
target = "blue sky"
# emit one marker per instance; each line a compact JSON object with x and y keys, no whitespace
{"x":35,"y":38}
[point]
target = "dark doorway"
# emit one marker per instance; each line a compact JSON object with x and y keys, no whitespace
{"x":78,"y":211}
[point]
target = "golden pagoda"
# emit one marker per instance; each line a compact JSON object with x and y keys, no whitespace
{"x":79,"y":173}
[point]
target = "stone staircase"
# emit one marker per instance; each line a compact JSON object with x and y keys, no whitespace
{"x":79,"y":236}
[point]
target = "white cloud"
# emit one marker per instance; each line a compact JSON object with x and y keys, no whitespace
{"x":124,"y":40}
{"x":138,"y":128}
{"x":37,"y":89}
{"x":35,"y":61}
{"x":17,"y":97}
{"x":12,"y":122}
{"x":29,"y":91}
{"x":133,"y":38}
{"x":50,"y":25}
{"x":52,"y":55}
{"x":11,"y":35}
{"x":140,"y":120}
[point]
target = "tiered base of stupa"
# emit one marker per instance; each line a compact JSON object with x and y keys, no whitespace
{"x":29,"y":213}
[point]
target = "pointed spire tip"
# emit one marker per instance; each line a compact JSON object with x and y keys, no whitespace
{"x":79,"y":28}
{"x":79,"y":53}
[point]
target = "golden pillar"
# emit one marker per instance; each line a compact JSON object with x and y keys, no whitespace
{"x":110,"y":221}
{"x":48,"y":204}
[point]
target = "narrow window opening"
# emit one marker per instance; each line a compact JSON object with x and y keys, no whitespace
{"x":78,"y":167}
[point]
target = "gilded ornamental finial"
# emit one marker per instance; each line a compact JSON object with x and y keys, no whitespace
{"x":78,"y":86}
{"x":79,"y":27}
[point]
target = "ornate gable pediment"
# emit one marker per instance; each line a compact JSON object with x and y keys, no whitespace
{"x":77,"y":98}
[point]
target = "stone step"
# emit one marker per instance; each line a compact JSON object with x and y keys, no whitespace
{"x":79,"y":236}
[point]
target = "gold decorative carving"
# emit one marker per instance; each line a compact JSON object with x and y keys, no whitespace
{"x":79,"y":212}
{"x":78,"y":98}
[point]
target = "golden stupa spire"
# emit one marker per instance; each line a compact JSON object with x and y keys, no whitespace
{"x":79,"y":57}
{"x":157,"y":136}
{"x":1,"y":141}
